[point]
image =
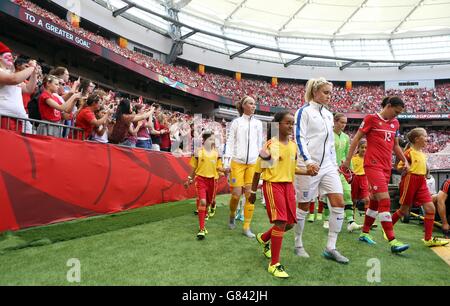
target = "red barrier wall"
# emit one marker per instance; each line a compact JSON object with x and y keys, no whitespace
{"x":46,"y":180}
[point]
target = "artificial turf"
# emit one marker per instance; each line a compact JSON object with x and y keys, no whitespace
{"x":157,"y":245}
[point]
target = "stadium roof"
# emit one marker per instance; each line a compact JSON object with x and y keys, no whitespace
{"x":400,"y":30}
{"x":329,"y":19}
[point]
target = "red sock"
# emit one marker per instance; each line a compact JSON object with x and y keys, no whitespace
{"x":267,"y":235}
{"x":368,"y":222}
{"x":397,"y":215}
{"x":384,"y":206}
{"x":369,"y":219}
{"x":276,"y":242}
{"x":388,"y":228}
{"x":320,"y":209}
{"x":201,"y":216}
{"x":311,"y":207}
{"x":428,"y":224}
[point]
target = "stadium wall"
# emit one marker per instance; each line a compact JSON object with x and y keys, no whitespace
{"x":46,"y":180}
{"x":134,"y":32}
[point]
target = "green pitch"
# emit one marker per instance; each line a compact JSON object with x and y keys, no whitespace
{"x":157,"y":245}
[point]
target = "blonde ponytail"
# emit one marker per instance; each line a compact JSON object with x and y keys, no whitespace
{"x":312,"y":86}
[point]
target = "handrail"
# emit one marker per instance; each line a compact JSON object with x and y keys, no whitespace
{"x":34,"y":122}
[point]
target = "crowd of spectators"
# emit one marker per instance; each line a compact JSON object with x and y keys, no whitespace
{"x":441,"y":159}
{"x":106,"y":117}
{"x":363,"y":99}
{"x":437,"y":141}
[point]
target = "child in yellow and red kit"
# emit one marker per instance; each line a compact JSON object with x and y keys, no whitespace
{"x":360,"y":185}
{"x":277,"y":169}
{"x":413,"y":185}
{"x":206,"y":164}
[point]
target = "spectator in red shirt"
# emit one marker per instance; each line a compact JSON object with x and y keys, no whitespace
{"x":143,"y":135}
{"x":86,"y":119}
{"x":51,"y":107}
{"x":165,"y":143}
{"x":155,"y":130}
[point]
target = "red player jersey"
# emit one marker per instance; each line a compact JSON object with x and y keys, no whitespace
{"x":380,"y":134}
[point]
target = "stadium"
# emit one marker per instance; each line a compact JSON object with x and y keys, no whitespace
{"x":110,"y":109}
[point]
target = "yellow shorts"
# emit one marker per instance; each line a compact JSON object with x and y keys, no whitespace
{"x":241,"y":174}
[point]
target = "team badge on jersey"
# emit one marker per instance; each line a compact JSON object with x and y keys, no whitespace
{"x":392,"y":125}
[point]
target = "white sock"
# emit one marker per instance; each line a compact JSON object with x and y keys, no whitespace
{"x":336,"y":220}
{"x":298,"y":228}
{"x":332,"y":238}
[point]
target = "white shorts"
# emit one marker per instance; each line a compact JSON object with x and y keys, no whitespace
{"x":307,"y":188}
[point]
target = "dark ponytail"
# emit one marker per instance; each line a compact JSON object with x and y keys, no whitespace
{"x":393,"y":101}
{"x":123,"y":109}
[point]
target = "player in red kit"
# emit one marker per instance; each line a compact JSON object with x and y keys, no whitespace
{"x":381,"y":131}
